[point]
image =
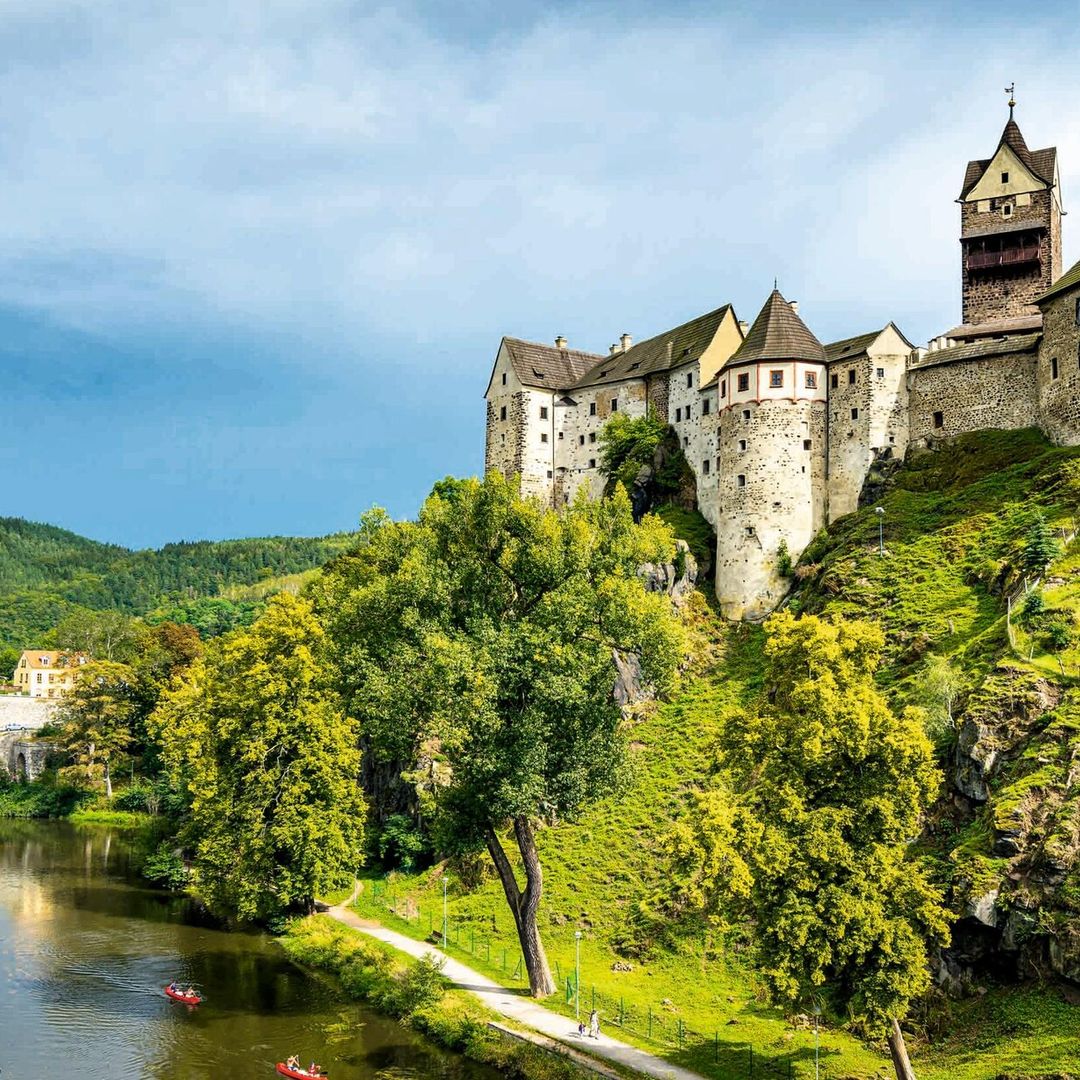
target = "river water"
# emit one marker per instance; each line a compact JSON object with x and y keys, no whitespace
{"x":85,"y":949}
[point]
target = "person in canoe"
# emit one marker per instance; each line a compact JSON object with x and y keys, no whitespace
{"x":174,"y":986}
{"x":293,"y":1063}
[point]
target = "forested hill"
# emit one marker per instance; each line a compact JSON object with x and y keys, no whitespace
{"x":46,"y":571}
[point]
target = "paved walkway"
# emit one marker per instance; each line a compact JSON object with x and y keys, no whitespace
{"x":515,"y":1005}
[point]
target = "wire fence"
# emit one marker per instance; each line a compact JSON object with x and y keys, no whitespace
{"x":658,"y":1024}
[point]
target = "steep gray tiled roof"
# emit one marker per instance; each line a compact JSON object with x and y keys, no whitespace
{"x":545,"y":365}
{"x":673,"y":347}
{"x":1041,"y":163}
{"x":852,"y":346}
{"x":777,"y":334}
{"x":979,"y":349}
{"x":1070,"y":279}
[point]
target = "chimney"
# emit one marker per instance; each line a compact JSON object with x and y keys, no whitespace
{"x":794,"y":306}
{"x":626,"y":341}
{"x":744,"y":327}
{"x":613,"y":350}
{"x":560,"y":342}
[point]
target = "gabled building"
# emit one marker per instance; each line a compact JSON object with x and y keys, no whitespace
{"x":46,"y":673}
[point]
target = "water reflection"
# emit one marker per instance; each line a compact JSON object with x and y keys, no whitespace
{"x":85,"y":949}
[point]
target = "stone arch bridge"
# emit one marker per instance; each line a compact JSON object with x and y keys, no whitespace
{"x":21,"y":755}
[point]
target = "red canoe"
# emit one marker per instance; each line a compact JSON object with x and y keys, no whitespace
{"x":187,"y":999}
{"x":297,"y":1074}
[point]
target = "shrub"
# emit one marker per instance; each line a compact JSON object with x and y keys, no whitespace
{"x":401,"y":844}
{"x":164,"y":867}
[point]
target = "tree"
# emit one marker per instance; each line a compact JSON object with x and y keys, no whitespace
{"x":256,"y":737}
{"x":807,"y":832}
{"x":102,"y":635}
{"x":628,"y":442}
{"x":481,"y":637}
{"x":1032,"y":617}
{"x":1040,"y":547}
{"x":1060,"y":635}
{"x":95,"y":719}
{"x":942,"y":685}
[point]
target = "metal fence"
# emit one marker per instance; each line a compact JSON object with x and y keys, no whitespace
{"x":659,"y":1024}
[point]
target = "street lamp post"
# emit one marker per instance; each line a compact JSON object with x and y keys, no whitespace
{"x":817,"y":1017}
{"x":880,"y":511}
{"x":444,"y":884}
{"x":577,"y":974}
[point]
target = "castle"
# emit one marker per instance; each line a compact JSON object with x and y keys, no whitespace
{"x":781,"y":430}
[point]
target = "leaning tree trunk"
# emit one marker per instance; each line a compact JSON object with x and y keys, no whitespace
{"x":900,"y":1060}
{"x":108,"y":780}
{"x":525,"y":903}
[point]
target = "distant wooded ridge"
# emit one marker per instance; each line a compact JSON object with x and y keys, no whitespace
{"x":45,"y":572}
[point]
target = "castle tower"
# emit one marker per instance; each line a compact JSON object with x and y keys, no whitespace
{"x":771,"y":457}
{"x":1010,"y":216}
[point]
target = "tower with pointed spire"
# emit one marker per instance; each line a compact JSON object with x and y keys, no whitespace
{"x":1010,"y":238}
{"x":772,"y":487}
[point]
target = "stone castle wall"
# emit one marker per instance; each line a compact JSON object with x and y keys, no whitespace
{"x":868,"y":418}
{"x":1011,"y":291}
{"x":1059,"y":396}
{"x":954,"y":397}
{"x":781,"y":497}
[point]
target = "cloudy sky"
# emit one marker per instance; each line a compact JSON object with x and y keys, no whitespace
{"x":256,"y":255}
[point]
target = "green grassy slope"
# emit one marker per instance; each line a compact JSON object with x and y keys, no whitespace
{"x":45,"y":571}
{"x":955,"y":522}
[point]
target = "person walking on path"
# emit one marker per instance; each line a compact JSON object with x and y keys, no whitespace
{"x":594,"y":1025}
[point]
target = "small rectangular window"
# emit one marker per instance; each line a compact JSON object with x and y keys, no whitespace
{"x":939,"y":420}
{"x":746,"y":414}
{"x":806,"y":444}
{"x":678,"y":416}
{"x":744,"y":381}
{"x":705,"y":407}
{"x":705,"y":466}
{"x":687,"y":412}
{"x":835,"y":380}
{"x":1006,"y":210}
{"x":549,"y":474}
{"x":689,"y":379}
{"x":543,"y":412}
{"x":502,"y":413}
{"x":543,"y":436}
{"x":740,"y":480}
{"x":742,"y":444}
{"x":881,"y":373}
{"x":723,"y":389}
{"x":560,"y":436}
{"x":854,"y":414}
{"x":851,"y":377}
{"x":811,"y":380}
{"x":614,"y":404}
{"x":1004,"y":177}
{"x":1053,"y":367}
{"x":581,"y":440}
{"x":592,"y":463}
{"x":592,"y":436}
{"x":776,"y":379}
{"x":749,"y":530}
{"x":592,"y":408}
{"x":504,"y":378}
{"x":686,"y":440}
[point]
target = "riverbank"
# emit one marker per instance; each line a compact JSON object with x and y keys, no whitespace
{"x":419,"y":997}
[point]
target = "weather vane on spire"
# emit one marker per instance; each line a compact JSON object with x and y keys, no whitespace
{"x":1011,"y":91}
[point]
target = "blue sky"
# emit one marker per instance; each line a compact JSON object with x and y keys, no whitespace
{"x":256,"y":256}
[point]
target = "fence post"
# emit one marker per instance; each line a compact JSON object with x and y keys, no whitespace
{"x":622,"y":1013}
{"x":650,"y":1022}
{"x":472,"y":947}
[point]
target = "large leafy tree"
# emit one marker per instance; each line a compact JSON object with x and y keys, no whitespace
{"x":95,"y":720}
{"x":807,"y":832}
{"x":482,"y":638}
{"x":255,"y":735}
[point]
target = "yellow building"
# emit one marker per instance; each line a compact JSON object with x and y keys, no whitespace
{"x":42,"y":673}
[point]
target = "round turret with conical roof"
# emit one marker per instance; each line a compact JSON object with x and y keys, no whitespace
{"x":771,"y":453}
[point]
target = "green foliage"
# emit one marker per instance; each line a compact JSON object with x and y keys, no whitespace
{"x":821,"y":787}
{"x":46,"y":573}
{"x":480,"y":639}
{"x":627,"y":443}
{"x":257,"y":738}
{"x":784,"y":565}
{"x":164,"y":867}
{"x":691,"y":526}
{"x":42,"y":798}
{"x":1040,"y":547}
{"x":401,"y":844}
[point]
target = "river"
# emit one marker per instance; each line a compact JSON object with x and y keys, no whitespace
{"x":86,"y":947}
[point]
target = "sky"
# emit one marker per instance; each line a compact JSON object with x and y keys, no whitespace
{"x":256,"y":256}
